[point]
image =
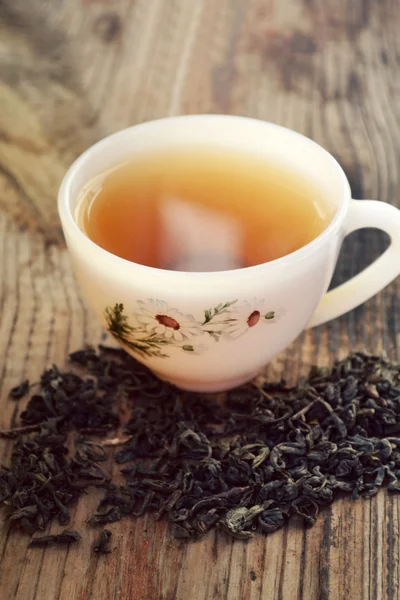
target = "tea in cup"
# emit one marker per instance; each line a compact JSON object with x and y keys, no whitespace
{"x":206,"y":243}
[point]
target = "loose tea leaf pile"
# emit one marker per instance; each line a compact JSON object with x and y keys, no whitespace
{"x":244,"y":465}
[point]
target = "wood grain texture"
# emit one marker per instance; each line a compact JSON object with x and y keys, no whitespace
{"x":72,"y":72}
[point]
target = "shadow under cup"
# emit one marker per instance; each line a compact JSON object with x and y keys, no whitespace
{"x":207,"y":331}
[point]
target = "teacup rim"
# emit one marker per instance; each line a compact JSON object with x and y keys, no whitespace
{"x":68,"y":220}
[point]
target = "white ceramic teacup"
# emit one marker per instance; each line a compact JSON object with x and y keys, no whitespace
{"x":213,"y":331}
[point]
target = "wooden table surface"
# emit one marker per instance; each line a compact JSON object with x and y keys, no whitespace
{"x":72,"y":72}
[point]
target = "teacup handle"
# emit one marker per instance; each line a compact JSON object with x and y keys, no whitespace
{"x":352,"y":293}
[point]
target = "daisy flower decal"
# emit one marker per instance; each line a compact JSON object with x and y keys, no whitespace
{"x":247,"y":315}
{"x":158,"y":327}
{"x":156,"y":317}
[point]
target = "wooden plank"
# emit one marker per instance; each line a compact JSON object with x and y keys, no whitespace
{"x":71,"y":72}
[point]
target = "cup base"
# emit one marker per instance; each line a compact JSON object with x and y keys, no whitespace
{"x":210,"y":387}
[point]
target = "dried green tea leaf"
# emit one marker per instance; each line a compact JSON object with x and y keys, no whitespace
{"x":66,"y":537}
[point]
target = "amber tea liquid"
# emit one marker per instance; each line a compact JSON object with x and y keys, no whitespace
{"x":201,"y":209}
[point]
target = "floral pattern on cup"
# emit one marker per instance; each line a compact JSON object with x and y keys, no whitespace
{"x":244,"y":316}
{"x":155,"y":326}
{"x":156,"y":317}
